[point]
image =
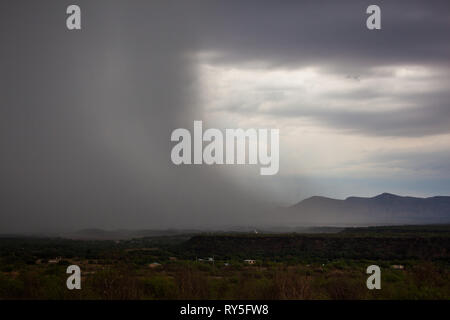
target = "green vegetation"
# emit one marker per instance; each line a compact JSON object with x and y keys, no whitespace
{"x":287,"y":266}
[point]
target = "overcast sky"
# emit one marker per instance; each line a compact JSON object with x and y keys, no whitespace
{"x":86,"y":116}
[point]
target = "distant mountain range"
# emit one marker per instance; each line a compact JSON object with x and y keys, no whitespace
{"x":383,"y":209}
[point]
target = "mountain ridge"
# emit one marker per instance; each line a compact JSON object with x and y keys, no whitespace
{"x":384,"y":208}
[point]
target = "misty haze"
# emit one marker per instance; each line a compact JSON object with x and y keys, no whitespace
{"x":86,"y":116}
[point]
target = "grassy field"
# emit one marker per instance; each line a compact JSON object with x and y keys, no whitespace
{"x":414,"y":262}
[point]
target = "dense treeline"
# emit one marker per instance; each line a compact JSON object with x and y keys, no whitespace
{"x":305,"y":247}
{"x":414,"y":261}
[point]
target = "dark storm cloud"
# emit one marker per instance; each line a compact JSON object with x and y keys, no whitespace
{"x":86,"y":116}
{"x":331,"y":33}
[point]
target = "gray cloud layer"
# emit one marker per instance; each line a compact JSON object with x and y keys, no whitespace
{"x":414,"y":122}
{"x":85,"y":117}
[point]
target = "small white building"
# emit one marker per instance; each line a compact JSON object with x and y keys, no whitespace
{"x":154,"y":265}
{"x":56,"y":260}
{"x":398,"y":266}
